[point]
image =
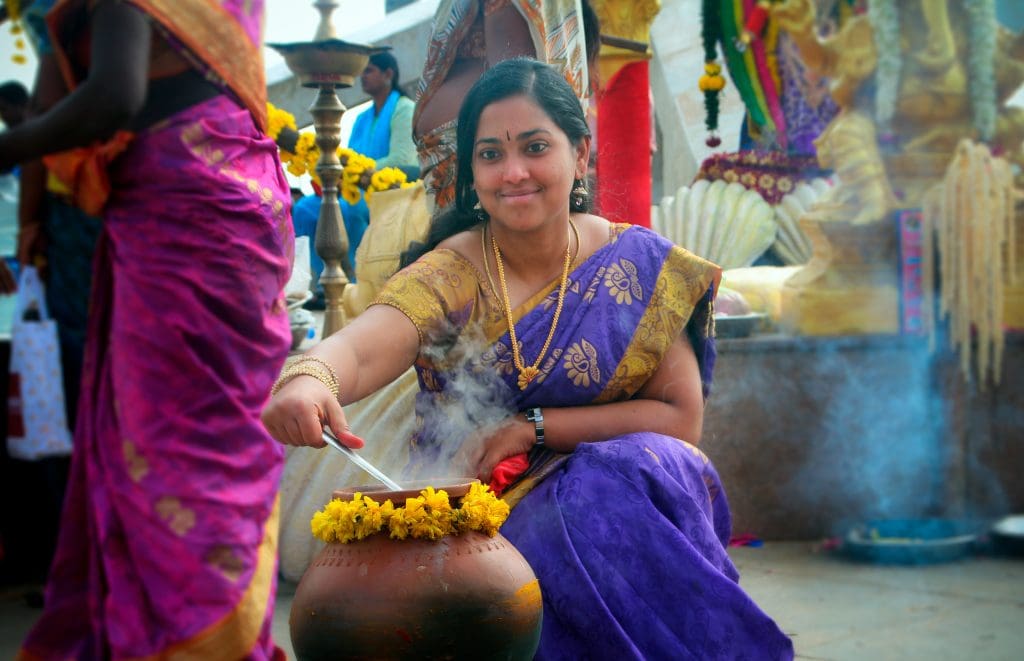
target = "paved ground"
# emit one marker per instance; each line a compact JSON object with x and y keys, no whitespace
{"x":834,"y":609}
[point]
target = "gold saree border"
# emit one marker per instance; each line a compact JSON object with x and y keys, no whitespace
{"x":683,"y":280}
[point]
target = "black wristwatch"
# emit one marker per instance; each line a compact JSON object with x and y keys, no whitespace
{"x":535,"y":416}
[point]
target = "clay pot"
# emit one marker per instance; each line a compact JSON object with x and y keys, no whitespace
{"x":463,"y":596}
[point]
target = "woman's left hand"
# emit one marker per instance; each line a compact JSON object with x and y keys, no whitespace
{"x":481,"y":453}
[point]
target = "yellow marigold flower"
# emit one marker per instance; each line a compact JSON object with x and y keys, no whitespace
{"x":277,"y":120}
{"x":322,"y":526}
{"x":436,"y":501}
{"x":481,"y":510}
{"x":711,"y":83}
{"x":428,"y":519}
{"x":712,"y":68}
{"x":344,"y":153}
{"x":398,"y":525}
{"x":350,"y":193}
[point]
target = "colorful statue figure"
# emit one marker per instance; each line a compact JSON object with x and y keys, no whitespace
{"x":909,"y":87}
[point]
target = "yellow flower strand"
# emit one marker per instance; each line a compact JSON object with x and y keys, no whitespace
{"x":427,"y":516}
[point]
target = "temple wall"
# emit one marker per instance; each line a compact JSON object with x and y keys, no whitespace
{"x":812,"y":434}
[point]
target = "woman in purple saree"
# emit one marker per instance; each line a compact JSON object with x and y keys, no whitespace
{"x":564,"y":359}
{"x":168,"y":537}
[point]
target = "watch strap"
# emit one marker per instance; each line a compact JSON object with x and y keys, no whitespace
{"x":536,"y":416}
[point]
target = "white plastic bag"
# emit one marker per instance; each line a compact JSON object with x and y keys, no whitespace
{"x":37,"y":425}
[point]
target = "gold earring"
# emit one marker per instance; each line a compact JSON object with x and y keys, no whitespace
{"x":580,"y":193}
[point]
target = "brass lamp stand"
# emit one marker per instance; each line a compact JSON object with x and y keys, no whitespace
{"x":327,"y":63}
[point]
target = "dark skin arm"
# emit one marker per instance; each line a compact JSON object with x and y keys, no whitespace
{"x":106,"y":101}
{"x":48,"y":90}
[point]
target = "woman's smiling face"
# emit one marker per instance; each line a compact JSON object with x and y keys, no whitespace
{"x":524,"y":164}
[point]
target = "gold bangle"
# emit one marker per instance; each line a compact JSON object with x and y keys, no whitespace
{"x":320,"y":361}
{"x":307,"y":369}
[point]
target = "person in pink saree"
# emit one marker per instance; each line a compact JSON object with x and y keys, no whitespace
{"x":169,"y":532}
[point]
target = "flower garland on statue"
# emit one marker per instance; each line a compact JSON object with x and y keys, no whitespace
{"x":14,"y":13}
{"x":712,"y":82}
{"x":427,"y":516}
{"x":981,"y":37}
{"x":359,"y":172}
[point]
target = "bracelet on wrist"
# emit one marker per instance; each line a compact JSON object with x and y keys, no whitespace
{"x":309,"y":366}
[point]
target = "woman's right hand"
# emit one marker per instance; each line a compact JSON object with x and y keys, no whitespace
{"x":301,"y":409}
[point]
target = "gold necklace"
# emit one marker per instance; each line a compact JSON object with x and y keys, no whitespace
{"x":487,"y":262}
{"x":528,"y":373}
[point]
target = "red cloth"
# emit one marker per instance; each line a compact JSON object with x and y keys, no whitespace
{"x":506,"y":472}
{"x":624,"y":147}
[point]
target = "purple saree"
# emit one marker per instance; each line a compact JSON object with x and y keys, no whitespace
{"x":168,"y":537}
{"x":627,"y":535}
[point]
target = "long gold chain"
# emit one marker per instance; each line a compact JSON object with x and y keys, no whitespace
{"x":527,"y":373}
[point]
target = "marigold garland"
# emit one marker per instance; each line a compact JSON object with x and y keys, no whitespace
{"x":359,"y":172}
{"x":427,"y":516}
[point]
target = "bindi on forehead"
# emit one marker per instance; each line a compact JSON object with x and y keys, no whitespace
{"x":508,"y":136}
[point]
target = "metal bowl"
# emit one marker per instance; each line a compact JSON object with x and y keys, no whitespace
{"x":1007,"y":535}
{"x":327,"y":62}
{"x":910,"y":541}
{"x":738,"y":325}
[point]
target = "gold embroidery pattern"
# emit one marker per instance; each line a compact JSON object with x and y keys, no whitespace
{"x":178,"y":518}
{"x":426,"y":290}
{"x":234,"y":635}
{"x":137,"y":465}
{"x":499,"y":358}
{"x":581,"y":364}
{"x":683,"y":280}
{"x":588,"y":296}
{"x":623,"y":283}
{"x":549,"y":364}
{"x":223,"y":559}
{"x":197,"y":142}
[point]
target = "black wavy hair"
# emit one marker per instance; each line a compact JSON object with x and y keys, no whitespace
{"x":385,"y":61}
{"x":519,"y":76}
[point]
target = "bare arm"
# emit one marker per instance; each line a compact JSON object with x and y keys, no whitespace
{"x":370,"y":352}
{"x":670,"y":403}
{"x":106,"y":101}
